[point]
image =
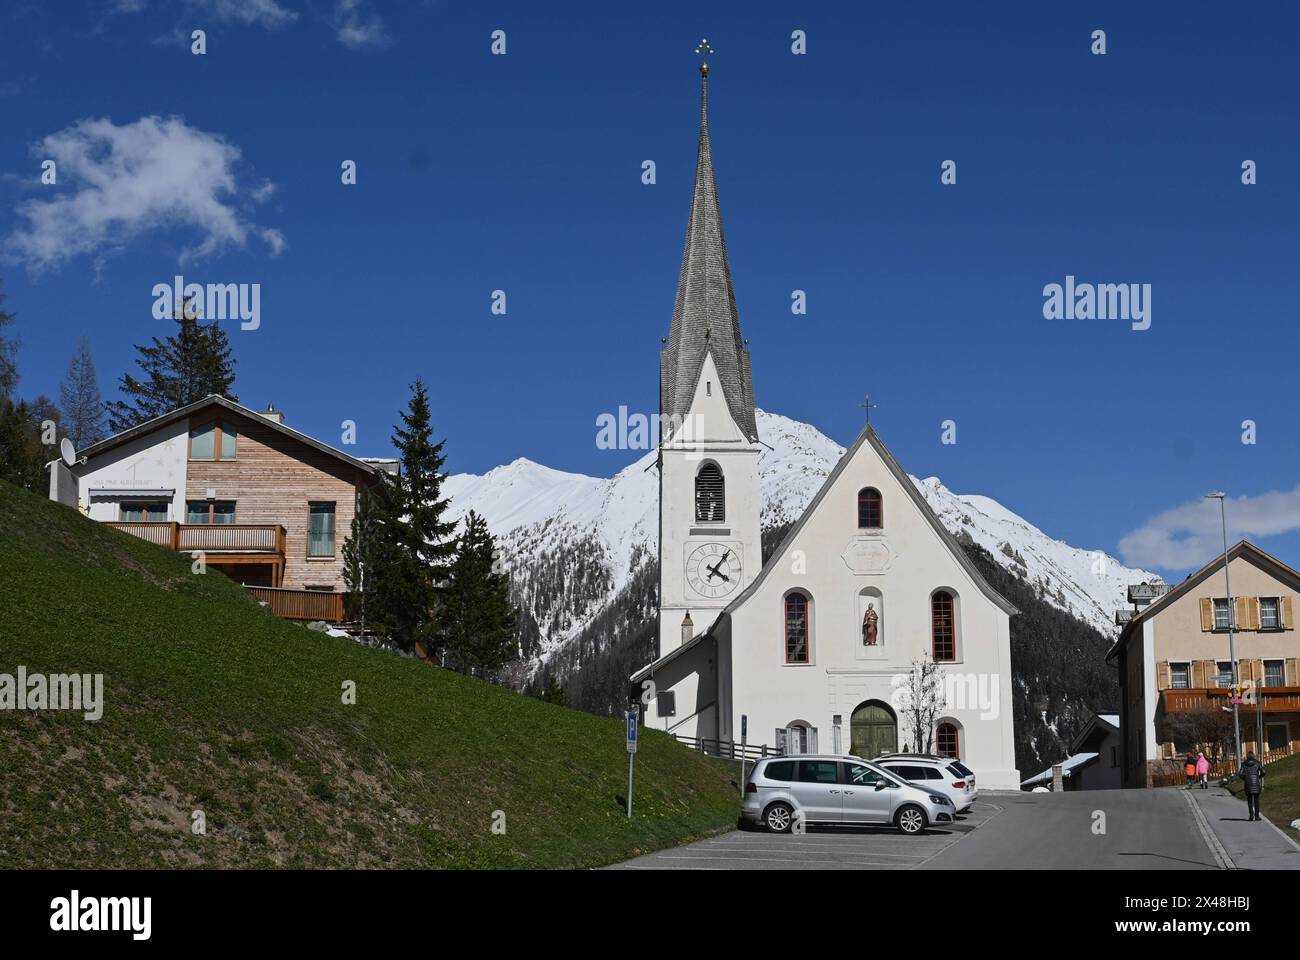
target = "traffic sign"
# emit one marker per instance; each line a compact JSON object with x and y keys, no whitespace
{"x":631,"y":731}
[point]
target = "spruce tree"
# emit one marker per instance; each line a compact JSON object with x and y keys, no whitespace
{"x":8,"y":355}
{"x":80,"y":402}
{"x":188,"y":366}
{"x":22,"y":456}
{"x":476,"y":623}
{"x":401,"y":548}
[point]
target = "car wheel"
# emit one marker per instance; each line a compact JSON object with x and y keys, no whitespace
{"x":910,"y":819}
{"x":778,"y":817}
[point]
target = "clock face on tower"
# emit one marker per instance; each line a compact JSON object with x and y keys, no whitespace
{"x":713,"y":570}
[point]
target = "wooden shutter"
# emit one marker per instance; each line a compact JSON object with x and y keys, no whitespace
{"x":1202,"y":670}
{"x":1292,"y":672}
{"x":1284,"y":611}
{"x":1162,"y":675}
{"x":1252,"y":610}
{"x":1245,"y":669}
{"x":1243,"y":613}
{"x":1207,"y":614}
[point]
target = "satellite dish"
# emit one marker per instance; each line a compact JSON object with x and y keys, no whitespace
{"x":68,"y":452}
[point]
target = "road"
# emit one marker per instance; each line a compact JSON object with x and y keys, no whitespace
{"x":1143,"y":830}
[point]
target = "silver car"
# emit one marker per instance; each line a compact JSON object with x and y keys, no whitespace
{"x":783,"y":791}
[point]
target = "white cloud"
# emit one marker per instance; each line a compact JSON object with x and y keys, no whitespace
{"x":266,"y":13}
{"x":1190,"y":535}
{"x":357,"y":29}
{"x":118,"y":182}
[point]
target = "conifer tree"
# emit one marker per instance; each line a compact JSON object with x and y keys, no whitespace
{"x":189,"y":365}
{"x":80,"y":401}
{"x":403,"y":550}
{"x":8,"y":355}
{"x":476,"y":623}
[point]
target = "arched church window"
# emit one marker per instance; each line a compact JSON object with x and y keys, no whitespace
{"x":710,"y":493}
{"x":796,"y":628}
{"x":943,"y":626}
{"x":871,"y":509}
{"x":947,"y":740}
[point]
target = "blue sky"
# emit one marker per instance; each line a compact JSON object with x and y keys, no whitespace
{"x":522,"y":173}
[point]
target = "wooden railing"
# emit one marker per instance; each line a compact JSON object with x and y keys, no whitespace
{"x":233,"y":537}
{"x":256,"y":538}
{"x":1220,"y":767}
{"x":1271,"y":699}
{"x":301,"y":604}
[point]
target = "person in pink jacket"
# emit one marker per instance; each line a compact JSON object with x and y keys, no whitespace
{"x":1203,"y":770}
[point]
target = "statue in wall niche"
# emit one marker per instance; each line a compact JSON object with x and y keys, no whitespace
{"x":870,"y":623}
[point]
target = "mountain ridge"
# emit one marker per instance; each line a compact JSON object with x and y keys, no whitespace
{"x":607,"y":528}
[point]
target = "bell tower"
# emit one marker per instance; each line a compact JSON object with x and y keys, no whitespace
{"x":709,"y":538}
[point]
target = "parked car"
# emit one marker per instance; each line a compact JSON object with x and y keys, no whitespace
{"x":838,"y":790}
{"x":945,"y":774}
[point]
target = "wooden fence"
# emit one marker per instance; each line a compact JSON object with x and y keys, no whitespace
{"x":1220,"y":767}
{"x":301,"y":604}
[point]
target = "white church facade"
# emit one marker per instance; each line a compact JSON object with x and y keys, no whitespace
{"x":812,"y":648}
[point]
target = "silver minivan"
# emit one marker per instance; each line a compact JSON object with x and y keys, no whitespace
{"x":840,"y":790}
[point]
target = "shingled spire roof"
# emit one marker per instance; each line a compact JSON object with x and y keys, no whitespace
{"x":705,"y":320}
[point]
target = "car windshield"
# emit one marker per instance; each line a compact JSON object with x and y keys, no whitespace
{"x":960,"y":769}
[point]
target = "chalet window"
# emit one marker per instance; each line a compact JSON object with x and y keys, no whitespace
{"x":214,"y":441}
{"x":1274,"y":673}
{"x":943,"y":626}
{"x":796,"y":628}
{"x":1222,"y":614}
{"x":210,"y":511}
{"x":144,"y":511}
{"x":871,"y":514}
{"x":1180,"y":675}
{"x":1268,"y":619}
{"x":1225,"y":670}
{"x":320,"y":538}
{"x":709,"y":493}
{"x":947,"y":740}
{"x":666,"y":703}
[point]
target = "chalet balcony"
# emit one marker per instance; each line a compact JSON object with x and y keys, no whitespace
{"x":1271,"y":699}
{"x":267,"y":538}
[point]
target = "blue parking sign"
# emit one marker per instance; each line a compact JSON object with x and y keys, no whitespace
{"x":631,"y":731}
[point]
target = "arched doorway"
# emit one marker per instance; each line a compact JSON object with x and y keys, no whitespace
{"x":874,"y":730}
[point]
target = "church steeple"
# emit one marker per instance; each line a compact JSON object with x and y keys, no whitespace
{"x":705,"y":320}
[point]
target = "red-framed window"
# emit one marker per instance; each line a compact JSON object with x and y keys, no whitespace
{"x":796,"y":628}
{"x":943,"y":628}
{"x":948,"y":741}
{"x":871,"y":509}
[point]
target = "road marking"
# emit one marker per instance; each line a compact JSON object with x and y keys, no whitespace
{"x":996,"y":807}
{"x":1216,"y":848}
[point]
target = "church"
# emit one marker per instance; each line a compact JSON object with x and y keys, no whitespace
{"x":807,"y":652}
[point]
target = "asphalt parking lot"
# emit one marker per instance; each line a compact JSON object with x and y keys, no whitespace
{"x":820,"y":848}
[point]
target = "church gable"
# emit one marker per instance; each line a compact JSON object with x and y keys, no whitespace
{"x":828,"y":533}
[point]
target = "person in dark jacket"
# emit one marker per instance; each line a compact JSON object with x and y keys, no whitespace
{"x":1252,"y":776}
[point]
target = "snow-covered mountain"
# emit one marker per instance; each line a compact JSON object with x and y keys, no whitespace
{"x":572,"y":542}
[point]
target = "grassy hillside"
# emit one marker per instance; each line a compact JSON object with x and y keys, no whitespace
{"x":1280,"y":801}
{"x":211,"y":704}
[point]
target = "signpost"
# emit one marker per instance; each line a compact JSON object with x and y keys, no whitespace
{"x":744,"y":736}
{"x":632,"y":716}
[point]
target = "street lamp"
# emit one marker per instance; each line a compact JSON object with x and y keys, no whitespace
{"x":1232,"y":615}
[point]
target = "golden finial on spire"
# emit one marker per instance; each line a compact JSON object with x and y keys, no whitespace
{"x":705,"y":51}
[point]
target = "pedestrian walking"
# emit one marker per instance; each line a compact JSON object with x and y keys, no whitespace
{"x":1203,"y":770}
{"x":1252,"y":777}
{"x":1189,"y":769}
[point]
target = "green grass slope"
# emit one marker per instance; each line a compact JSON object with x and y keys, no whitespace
{"x":212,"y":704}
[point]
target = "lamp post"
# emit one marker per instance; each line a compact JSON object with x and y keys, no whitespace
{"x":1232,"y":615}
